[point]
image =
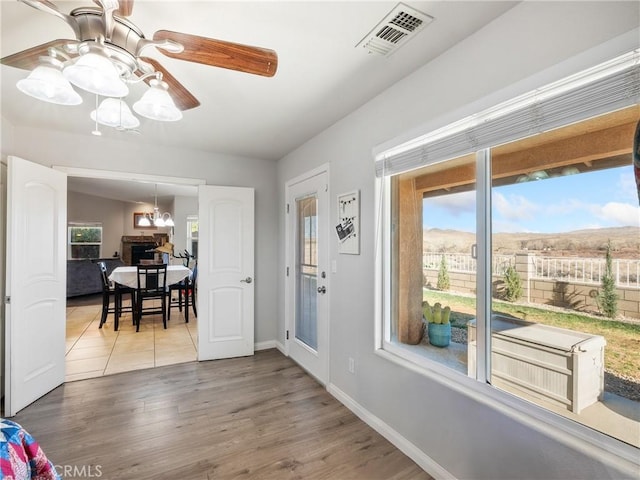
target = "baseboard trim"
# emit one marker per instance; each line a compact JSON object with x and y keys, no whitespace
{"x":405,"y":446}
{"x":282,"y":349}
{"x":264,"y":345}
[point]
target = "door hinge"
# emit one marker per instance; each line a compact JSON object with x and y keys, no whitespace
{"x":287,"y":208}
{"x":287,"y":271}
{"x":287,"y":334}
{"x":7,"y":299}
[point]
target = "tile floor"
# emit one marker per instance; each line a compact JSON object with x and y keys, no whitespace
{"x":93,"y":352}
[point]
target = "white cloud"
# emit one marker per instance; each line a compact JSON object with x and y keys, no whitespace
{"x":618,"y":214}
{"x":514,"y":207}
{"x":456,"y":203}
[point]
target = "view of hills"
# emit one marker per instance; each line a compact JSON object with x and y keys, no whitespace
{"x":625,"y":242}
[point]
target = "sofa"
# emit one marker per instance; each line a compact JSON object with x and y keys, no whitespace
{"x":83,"y":276}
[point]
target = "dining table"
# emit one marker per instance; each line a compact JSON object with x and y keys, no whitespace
{"x":128,"y":275}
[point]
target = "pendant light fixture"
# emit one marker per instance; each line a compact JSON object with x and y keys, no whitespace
{"x":156,"y":218}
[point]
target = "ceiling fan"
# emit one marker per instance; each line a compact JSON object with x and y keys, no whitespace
{"x":106,"y":30}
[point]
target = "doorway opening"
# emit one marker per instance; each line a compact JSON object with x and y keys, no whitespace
{"x":91,"y":351}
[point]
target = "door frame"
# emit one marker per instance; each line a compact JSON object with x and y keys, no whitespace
{"x":289,"y":290}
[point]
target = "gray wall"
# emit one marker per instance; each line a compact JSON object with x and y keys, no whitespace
{"x":182,"y":207}
{"x":62,"y":149}
{"x":84,"y":208}
{"x":466,"y":437}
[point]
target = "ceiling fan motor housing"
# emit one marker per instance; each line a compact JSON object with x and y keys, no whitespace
{"x":122,"y":44}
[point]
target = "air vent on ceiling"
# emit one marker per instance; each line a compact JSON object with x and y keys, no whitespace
{"x":401,"y":24}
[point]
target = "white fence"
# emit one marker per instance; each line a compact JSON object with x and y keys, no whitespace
{"x":465,"y":263}
{"x":569,"y":269}
{"x":587,"y":270}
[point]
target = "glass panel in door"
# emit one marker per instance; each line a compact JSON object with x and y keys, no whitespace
{"x":306,"y":329}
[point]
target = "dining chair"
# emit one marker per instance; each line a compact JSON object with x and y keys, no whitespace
{"x":116,"y":291}
{"x":185,"y":292}
{"x":152,"y":287}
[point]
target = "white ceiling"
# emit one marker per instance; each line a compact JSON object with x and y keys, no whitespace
{"x":321,"y":75}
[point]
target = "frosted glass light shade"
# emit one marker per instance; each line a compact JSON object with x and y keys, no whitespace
{"x":114,"y":112}
{"x":164,"y":220}
{"x":97,"y":74}
{"x":144,"y":222}
{"x":570,"y":171}
{"x":156,"y":104}
{"x":539,"y":175}
{"x":46,"y":83}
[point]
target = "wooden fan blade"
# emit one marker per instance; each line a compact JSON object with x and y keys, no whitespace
{"x":125,"y":7}
{"x":30,"y":58}
{"x":182,"y":97}
{"x":218,"y":53}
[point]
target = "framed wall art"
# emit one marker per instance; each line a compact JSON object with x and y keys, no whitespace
{"x":137,"y":216}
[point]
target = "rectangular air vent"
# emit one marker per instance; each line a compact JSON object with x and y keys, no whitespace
{"x":402,"y":23}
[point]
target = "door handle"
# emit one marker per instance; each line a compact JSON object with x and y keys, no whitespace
{"x":247,"y":280}
{"x":322,"y":289}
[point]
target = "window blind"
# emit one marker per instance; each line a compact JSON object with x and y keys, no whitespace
{"x":605,"y":88}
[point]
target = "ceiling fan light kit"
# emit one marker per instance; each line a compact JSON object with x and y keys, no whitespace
{"x":96,"y":73}
{"x":156,"y":103}
{"x":47,"y":83}
{"x":114,"y":112}
{"x":107,"y":55}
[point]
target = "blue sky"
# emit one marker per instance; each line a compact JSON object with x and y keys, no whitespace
{"x":605,"y":198}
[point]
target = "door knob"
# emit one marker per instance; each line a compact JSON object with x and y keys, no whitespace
{"x":322,"y":289}
{"x":247,"y":280}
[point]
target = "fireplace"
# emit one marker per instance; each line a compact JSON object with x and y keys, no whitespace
{"x":142,"y":251}
{"x":140,"y":247}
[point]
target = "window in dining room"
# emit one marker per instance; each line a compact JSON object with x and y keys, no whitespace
{"x":84,"y":240}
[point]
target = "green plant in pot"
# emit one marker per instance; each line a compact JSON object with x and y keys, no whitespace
{"x":438,"y":325}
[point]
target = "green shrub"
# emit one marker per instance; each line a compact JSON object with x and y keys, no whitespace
{"x":443,"y":275}
{"x":512,"y":284}
{"x":608,"y":298}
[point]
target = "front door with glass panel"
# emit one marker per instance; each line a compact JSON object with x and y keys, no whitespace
{"x":307,"y":231}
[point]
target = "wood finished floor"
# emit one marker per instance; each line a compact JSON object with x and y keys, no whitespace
{"x":259,"y":417}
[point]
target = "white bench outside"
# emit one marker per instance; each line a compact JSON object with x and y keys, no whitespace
{"x":554,"y":364}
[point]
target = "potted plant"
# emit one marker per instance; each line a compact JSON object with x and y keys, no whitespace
{"x":438,"y":326}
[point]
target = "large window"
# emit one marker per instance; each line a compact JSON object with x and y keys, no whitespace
{"x":84,"y":240}
{"x":518,"y":265}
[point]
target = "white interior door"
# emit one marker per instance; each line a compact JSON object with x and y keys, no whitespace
{"x":225,"y":272}
{"x":307,"y":335}
{"x":36,"y":282}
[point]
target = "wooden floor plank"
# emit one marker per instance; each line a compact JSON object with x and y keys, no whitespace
{"x":256,"y":417}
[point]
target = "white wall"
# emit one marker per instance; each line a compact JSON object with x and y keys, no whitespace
{"x":62,"y":149}
{"x":446,"y":430}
